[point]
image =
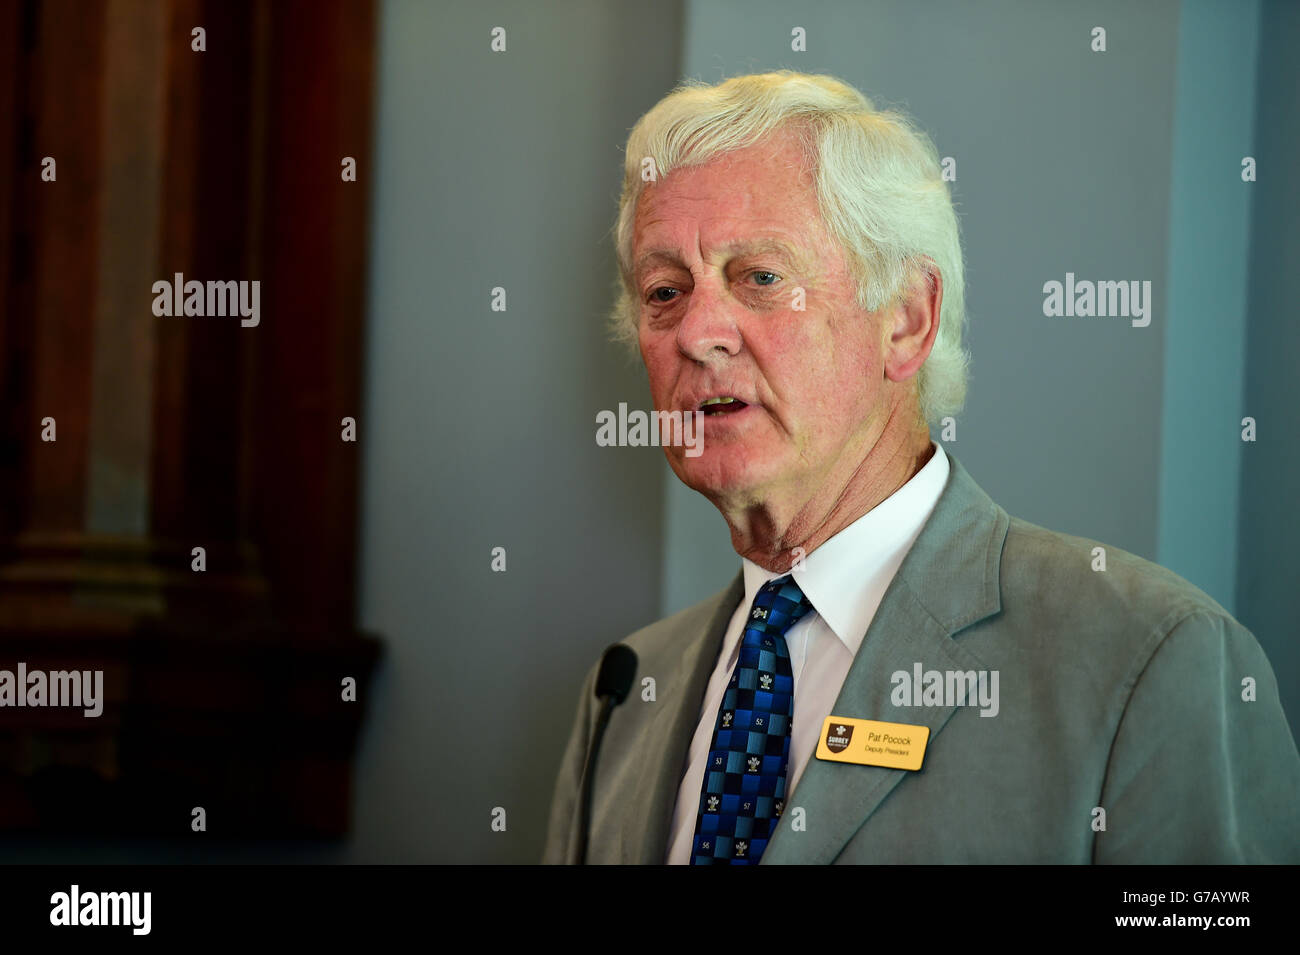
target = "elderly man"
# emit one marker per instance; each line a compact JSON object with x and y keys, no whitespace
{"x":900,"y":672}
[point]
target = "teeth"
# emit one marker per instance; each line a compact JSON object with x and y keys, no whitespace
{"x":717,"y":401}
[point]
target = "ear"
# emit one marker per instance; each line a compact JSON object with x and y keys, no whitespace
{"x":913,"y":323}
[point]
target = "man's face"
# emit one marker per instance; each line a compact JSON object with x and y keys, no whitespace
{"x":720,"y":254}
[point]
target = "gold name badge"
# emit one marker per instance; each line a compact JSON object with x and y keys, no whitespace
{"x":873,"y":743}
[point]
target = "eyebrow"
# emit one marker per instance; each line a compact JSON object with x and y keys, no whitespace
{"x":760,"y":246}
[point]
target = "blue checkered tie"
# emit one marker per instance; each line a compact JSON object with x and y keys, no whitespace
{"x":743,"y":792}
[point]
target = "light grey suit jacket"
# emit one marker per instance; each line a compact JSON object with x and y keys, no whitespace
{"x":1119,"y":689}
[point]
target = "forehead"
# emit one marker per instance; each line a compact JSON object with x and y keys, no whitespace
{"x":759,"y":199}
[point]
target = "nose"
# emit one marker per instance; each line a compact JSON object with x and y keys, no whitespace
{"x":708,"y":330}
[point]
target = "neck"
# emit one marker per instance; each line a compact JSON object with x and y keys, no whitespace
{"x":774,"y":533}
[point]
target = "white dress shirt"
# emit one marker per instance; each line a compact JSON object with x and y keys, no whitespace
{"x":845,"y":579}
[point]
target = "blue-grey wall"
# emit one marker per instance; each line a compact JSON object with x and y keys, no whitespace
{"x":496,"y":170}
{"x":1209,"y":263}
{"x":1268,"y":578}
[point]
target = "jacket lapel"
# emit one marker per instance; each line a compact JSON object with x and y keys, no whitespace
{"x":649,"y":817}
{"x":947,"y":582}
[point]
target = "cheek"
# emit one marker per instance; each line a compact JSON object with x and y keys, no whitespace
{"x":845,"y":376}
{"x":659,"y":366}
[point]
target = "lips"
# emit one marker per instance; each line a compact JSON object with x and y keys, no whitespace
{"x":721,"y":405}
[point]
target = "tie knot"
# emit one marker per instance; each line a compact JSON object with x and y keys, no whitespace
{"x":778,"y":606}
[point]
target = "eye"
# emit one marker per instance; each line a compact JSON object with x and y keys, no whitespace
{"x":656,"y":296}
{"x":764,"y":277}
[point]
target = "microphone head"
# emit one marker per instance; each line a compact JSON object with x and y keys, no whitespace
{"x":617,"y":671}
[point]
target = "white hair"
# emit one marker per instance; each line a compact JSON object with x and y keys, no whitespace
{"x":879,"y":187}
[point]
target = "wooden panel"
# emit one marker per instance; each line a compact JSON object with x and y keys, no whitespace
{"x":67,"y":93}
{"x":223,"y":687}
{"x":314,"y":299}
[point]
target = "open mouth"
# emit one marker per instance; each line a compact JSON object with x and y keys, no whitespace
{"x":724,"y":405}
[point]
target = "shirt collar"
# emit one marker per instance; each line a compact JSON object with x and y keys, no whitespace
{"x":846,"y":577}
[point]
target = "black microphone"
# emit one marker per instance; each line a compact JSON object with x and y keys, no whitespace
{"x":613,"y":681}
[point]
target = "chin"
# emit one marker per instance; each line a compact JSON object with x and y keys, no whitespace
{"x":715,"y":474}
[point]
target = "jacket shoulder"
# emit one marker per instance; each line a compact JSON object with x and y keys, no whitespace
{"x":1077,"y":576}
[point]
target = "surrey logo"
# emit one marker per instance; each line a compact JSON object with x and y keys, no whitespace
{"x":837,"y":737}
